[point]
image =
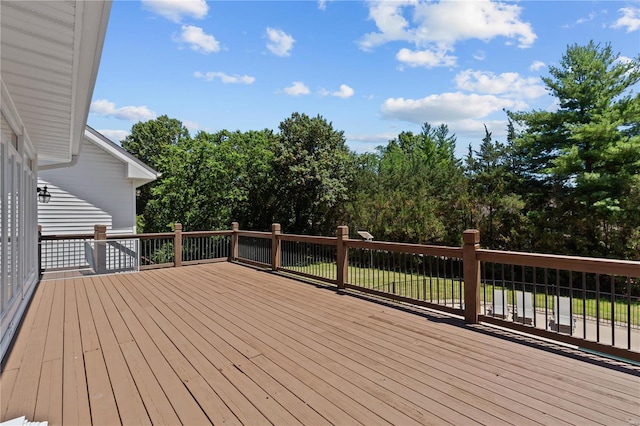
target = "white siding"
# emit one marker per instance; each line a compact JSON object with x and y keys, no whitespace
{"x":94,"y":191}
{"x":67,"y":213}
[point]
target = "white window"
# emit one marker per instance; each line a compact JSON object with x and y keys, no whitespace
{"x":18,"y":233}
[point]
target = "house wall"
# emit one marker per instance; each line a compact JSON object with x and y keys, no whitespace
{"x":67,"y":213}
{"x":94,"y":191}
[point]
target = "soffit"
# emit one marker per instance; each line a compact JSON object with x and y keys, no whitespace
{"x":50,"y":52}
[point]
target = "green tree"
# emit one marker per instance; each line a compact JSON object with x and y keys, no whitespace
{"x":150,"y":142}
{"x":418,"y":193}
{"x":313,"y":170}
{"x":255,"y":206}
{"x":365,"y":184}
{"x":587,"y":152}
{"x":196,"y":188}
{"x":495,"y":210}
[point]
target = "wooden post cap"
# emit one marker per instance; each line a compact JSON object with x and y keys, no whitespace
{"x":471,"y":236}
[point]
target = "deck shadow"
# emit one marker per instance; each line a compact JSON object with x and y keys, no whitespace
{"x":576,"y":353}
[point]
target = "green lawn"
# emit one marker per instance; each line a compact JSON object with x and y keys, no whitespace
{"x":440,"y":289}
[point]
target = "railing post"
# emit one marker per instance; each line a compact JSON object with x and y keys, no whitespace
{"x":100,"y":248}
{"x":39,"y":252}
{"x":471,"y":238}
{"x":177,"y":245}
{"x":342,"y":260}
{"x":275,"y":246}
{"x":234,"y":242}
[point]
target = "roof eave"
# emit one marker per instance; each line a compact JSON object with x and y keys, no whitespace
{"x":87,"y":53}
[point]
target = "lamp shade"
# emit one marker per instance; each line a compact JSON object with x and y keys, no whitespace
{"x":44,"y":196}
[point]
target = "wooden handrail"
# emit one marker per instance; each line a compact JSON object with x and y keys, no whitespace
{"x":566,"y":263}
{"x":141,"y":236}
{"x":66,"y":237}
{"x":207,"y":233}
{"x":331,"y":241}
{"x":445,"y":251}
{"x":257,"y":234}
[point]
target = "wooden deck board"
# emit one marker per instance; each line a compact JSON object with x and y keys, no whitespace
{"x":227,"y":363}
{"x":130,"y":406}
{"x":600,"y":411}
{"x":392,"y":397}
{"x":477,"y":346}
{"x":410,"y":374}
{"x":49,"y":399}
{"x":75,"y":397}
{"x":399,"y":375}
{"x":336,"y":396}
{"x":234,"y":354}
{"x":23,"y":397}
{"x":223,"y":343}
{"x":293,"y":346}
{"x":393,"y":344}
{"x":186,"y":408}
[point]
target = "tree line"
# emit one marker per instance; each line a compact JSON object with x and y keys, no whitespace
{"x":563,"y":181}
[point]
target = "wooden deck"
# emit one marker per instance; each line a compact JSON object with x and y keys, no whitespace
{"x":223,"y":343}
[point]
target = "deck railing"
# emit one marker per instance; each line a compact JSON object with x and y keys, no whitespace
{"x":65,"y":251}
{"x":253,"y":247}
{"x":574,"y":297}
{"x":307,"y":256}
{"x":429,"y":276}
{"x":588,"y":302}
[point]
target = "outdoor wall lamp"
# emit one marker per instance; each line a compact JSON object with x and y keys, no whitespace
{"x":44,"y":196}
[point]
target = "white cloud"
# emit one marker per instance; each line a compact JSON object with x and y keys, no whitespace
{"x":475,"y":128}
{"x":191,"y":125}
{"x":114,"y":135}
{"x":175,"y":10}
{"x":630,"y":19}
{"x":280,"y":43}
{"x":391,"y":24}
{"x":225,"y":78}
{"x":361,"y":143}
{"x":198,"y":39}
{"x":537,"y":65}
{"x":591,"y":17}
{"x":425,"y":58}
{"x":509,"y":83}
{"x":581,"y":21}
{"x":480,"y":55}
{"x":131,"y":113}
{"x":445,"y":107}
{"x":435,"y":27}
{"x":296,"y":89}
{"x":624,"y":59}
{"x":344,"y":92}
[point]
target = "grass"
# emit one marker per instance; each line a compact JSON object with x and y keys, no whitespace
{"x":399,"y":283}
{"x":441,"y":290}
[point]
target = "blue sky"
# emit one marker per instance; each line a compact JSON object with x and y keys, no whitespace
{"x":372,"y":68}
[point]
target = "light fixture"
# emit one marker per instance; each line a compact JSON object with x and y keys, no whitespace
{"x":44,"y":196}
{"x":365,"y":235}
